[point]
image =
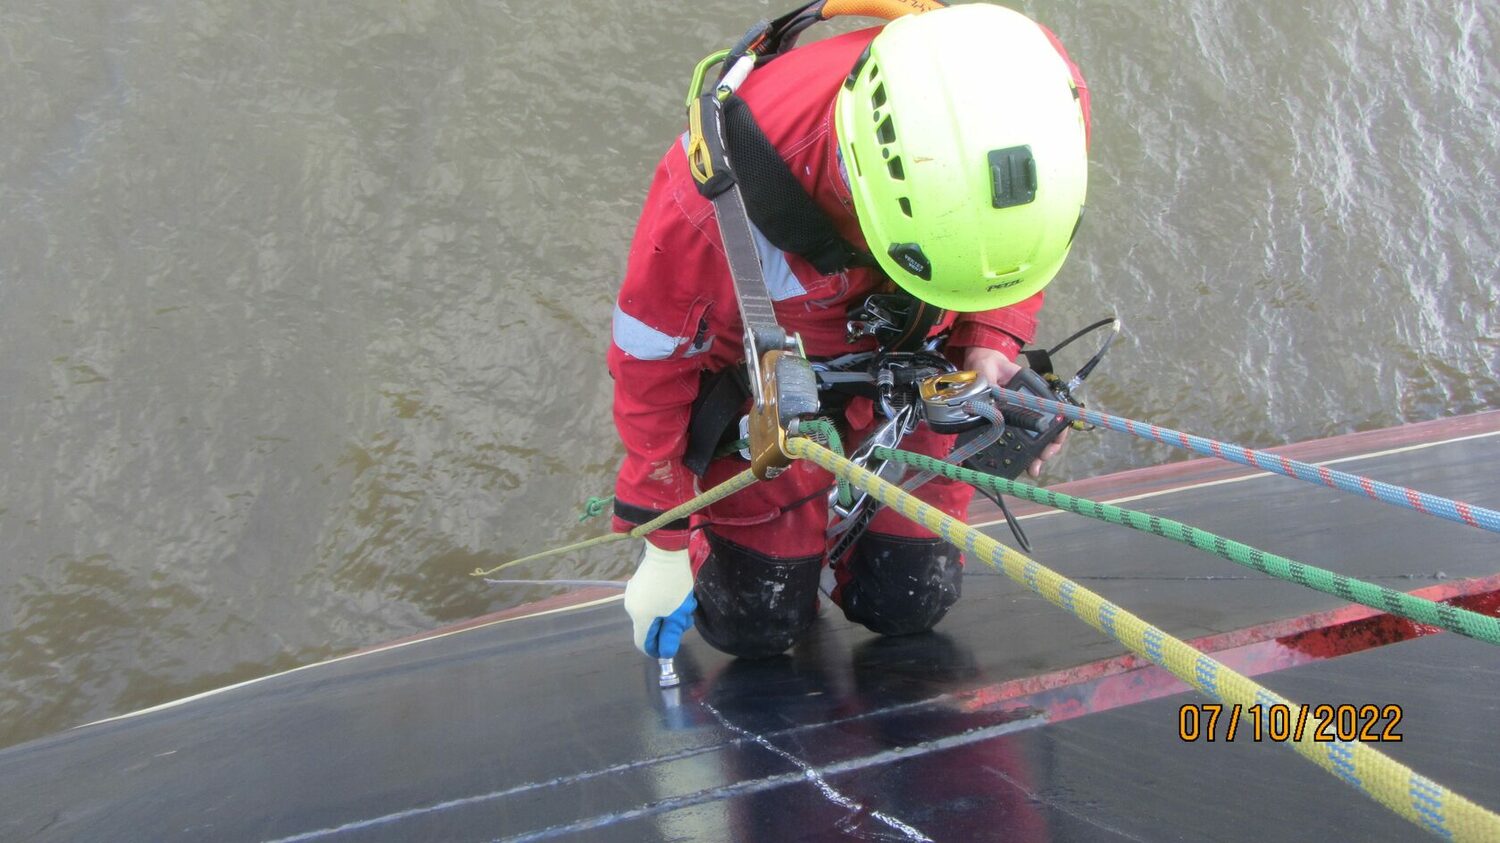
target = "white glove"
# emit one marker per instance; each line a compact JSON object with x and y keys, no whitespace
{"x":659,"y":599}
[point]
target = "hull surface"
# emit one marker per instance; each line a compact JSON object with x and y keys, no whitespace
{"x":1013,"y":721}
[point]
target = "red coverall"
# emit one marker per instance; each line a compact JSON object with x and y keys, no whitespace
{"x":758,"y":556}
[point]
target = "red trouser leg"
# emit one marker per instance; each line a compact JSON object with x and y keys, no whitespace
{"x":757,"y":559}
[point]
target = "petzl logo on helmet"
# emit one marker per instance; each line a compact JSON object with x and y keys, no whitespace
{"x":909,"y":257}
{"x":1003,"y":284}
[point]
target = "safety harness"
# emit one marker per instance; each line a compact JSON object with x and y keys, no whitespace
{"x":739,"y":170}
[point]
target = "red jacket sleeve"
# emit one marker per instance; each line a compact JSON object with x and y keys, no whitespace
{"x":662,"y":340}
{"x":1004,"y":329}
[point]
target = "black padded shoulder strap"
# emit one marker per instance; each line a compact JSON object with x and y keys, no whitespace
{"x":777,"y":203}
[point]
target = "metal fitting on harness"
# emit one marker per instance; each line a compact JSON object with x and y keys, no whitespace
{"x":788,"y":393}
{"x":944,"y":396}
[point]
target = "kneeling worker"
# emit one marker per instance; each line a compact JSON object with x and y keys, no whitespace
{"x":941,"y":161}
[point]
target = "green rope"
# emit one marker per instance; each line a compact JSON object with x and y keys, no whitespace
{"x":595,"y":507}
{"x":820,"y":430}
{"x":827,"y":433}
{"x":732,"y":448}
{"x":1451,"y":618}
{"x":1394,"y":785}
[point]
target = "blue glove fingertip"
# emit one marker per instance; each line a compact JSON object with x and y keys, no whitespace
{"x":671,"y":639}
{"x":672,"y":628}
{"x":653,"y":634}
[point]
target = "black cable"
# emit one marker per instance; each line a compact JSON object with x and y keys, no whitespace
{"x":1082,"y":331}
{"x":1088,"y":367}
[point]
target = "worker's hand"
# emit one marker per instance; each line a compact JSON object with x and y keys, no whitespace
{"x":998,"y":370}
{"x":995,"y":366}
{"x":659,"y":599}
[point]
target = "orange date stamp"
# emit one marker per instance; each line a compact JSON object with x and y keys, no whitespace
{"x":1325,"y":723}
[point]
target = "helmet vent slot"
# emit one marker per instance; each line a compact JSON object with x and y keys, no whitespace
{"x":877,"y":99}
{"x":905,"y":205}
{"x":897,"y":171}
{"x":886,"y":131}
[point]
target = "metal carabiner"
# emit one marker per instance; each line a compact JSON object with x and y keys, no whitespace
{"x":888,"y":435}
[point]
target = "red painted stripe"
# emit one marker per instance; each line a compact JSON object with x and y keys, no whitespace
{"x":1126,"y":680}
{"x":1213,"y":445}
{"x":1325,"y":475}
{"x":1182,"y":437}
{"x":1286,"y":465}
{"x":1364,"y":483}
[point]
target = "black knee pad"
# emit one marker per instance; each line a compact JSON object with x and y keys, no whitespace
{"x":751,"y":605}
{"x":900,"y":586}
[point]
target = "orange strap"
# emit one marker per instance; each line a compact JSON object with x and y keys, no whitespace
{"x":887,"y":9}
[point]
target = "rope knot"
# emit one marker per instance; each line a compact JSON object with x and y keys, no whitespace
{"x":594,"y":507}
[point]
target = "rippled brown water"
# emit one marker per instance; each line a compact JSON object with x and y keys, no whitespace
{"x":303,"y":306}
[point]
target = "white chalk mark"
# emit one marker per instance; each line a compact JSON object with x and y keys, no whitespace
{"x":811,"y":773}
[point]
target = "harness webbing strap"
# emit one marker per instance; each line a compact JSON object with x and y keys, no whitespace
{"x":777,"y":203}
{"x":712,"y":170}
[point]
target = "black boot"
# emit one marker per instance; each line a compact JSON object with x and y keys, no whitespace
{"x":900,"y":586}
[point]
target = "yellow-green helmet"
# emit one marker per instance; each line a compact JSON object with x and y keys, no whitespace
{"x":964,"y":142}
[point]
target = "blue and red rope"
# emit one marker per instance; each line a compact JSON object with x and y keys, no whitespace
{"x":1451,"y":510}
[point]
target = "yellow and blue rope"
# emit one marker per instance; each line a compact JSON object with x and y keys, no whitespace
{"x":1387,"y":781}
